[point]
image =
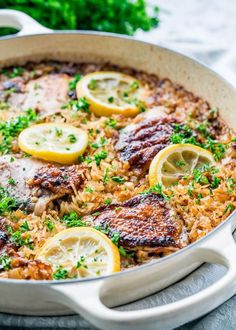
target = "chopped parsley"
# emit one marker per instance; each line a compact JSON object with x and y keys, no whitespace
{"x":59,"y":132}
{"x":104,"y":230}
{"x":180,"y":163}
{"x":72,"y":219}
{"x":25,"y":226}
{"x":199,"y":197}
{"x":16,"y":237}
{"x":83,"y":105}
{"x":218,"y":149}
{"x":7,"y":203}
{"x":118,"y":179}
{"x":157,"y":189}
{"x":78,"y":105}
{"x":111,"y":99}
{"x":122,"y":251}
{"x":107,"y":201}
{"x":205,"y":175}
{"x":202,"y":128}
{"x":191,"y":188}
{"x":50,"y":225}
{"x":10,"y":129}
{"x":60,"y":273}
{"x":99,"y":156}
{"x":5,"y":262}
{"x":111,"y":123}
{"x":139,"y":104}
{"x":230,"y":208}
{"x":81,"y":263}
{"x":231,"y":184}
{"x":115,"y":237}
{"x":106,"y":176}
{"x":93,"y":84}
{"x":200,"y":177}
{"x":134,"y":85}
{"x":183,"y":134}
{"x":72,"y":138}
{"x":99,"y":143}
{"x":95,"y":214}
{"x":11,"y":181}
{"x":73,"y":82}
{"x":215,"y":182}
{"x":14,"y":72}
{"x":89,"y":190}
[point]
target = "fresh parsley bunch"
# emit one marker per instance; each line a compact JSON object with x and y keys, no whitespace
{"x":117,"y":16}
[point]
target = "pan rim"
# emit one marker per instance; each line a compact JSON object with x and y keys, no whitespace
{"x":161,"y":260}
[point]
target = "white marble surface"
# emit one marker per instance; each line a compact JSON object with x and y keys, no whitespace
{"x":203,"y":29}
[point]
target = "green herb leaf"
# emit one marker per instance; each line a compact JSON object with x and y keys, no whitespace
{"x":73,"y":82}
{"x":5,"y":262}
{"x":7,"y":203}
{"x":93,"y":84}
{"x":25,"y":226}
{"x":81,"y":104}
{"x":157,"y":189}
{"x":50,"y":225}
{"x":72,"y":138}
{"x":230,"y":208}
{"x":72,"y":219}
{"x":10,"y":129}
{"x":60,"y":274}
{"x":118,"y":179}
{"x":107,"y":201}
{"x":102,"y":15}
{"x":99,"y":156}
{"x":11,"y":181}
{"x":111,"y":123}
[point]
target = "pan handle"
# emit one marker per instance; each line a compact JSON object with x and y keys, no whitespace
{"x":85,"y":298}
{"x":19,"y":20}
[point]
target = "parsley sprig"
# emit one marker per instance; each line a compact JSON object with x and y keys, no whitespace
{"x":157,"y":189}
{"x":10,"y":129}
{"x":5,"y":262}
{"x":60,"y":274}
{"x":72,"y":219}
{"x":18,"y":239}
{"x":124,"y":16}
{"x":81,"y":104}
{"x":7,"y":202}
{"x":73,"y":82}
{"x":183,"y":134}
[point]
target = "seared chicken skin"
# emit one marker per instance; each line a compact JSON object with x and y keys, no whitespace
{"x":139,"y":143}
{"x":144,"y":222}
{"x":35,"y":184}
{"x":46,"y":95}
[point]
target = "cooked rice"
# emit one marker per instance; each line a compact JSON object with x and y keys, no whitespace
{"x":199,"y":218}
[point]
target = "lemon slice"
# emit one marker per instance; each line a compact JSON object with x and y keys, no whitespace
{"x":82,"y":252}
{"x":112,"y":93}
{"x":175,"y":161}
{"x":55,"y":142}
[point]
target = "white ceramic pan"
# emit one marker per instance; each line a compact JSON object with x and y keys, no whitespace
{"x":93,"y":298}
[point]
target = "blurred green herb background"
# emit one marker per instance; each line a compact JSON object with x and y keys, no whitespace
{"x":119,"y":16}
